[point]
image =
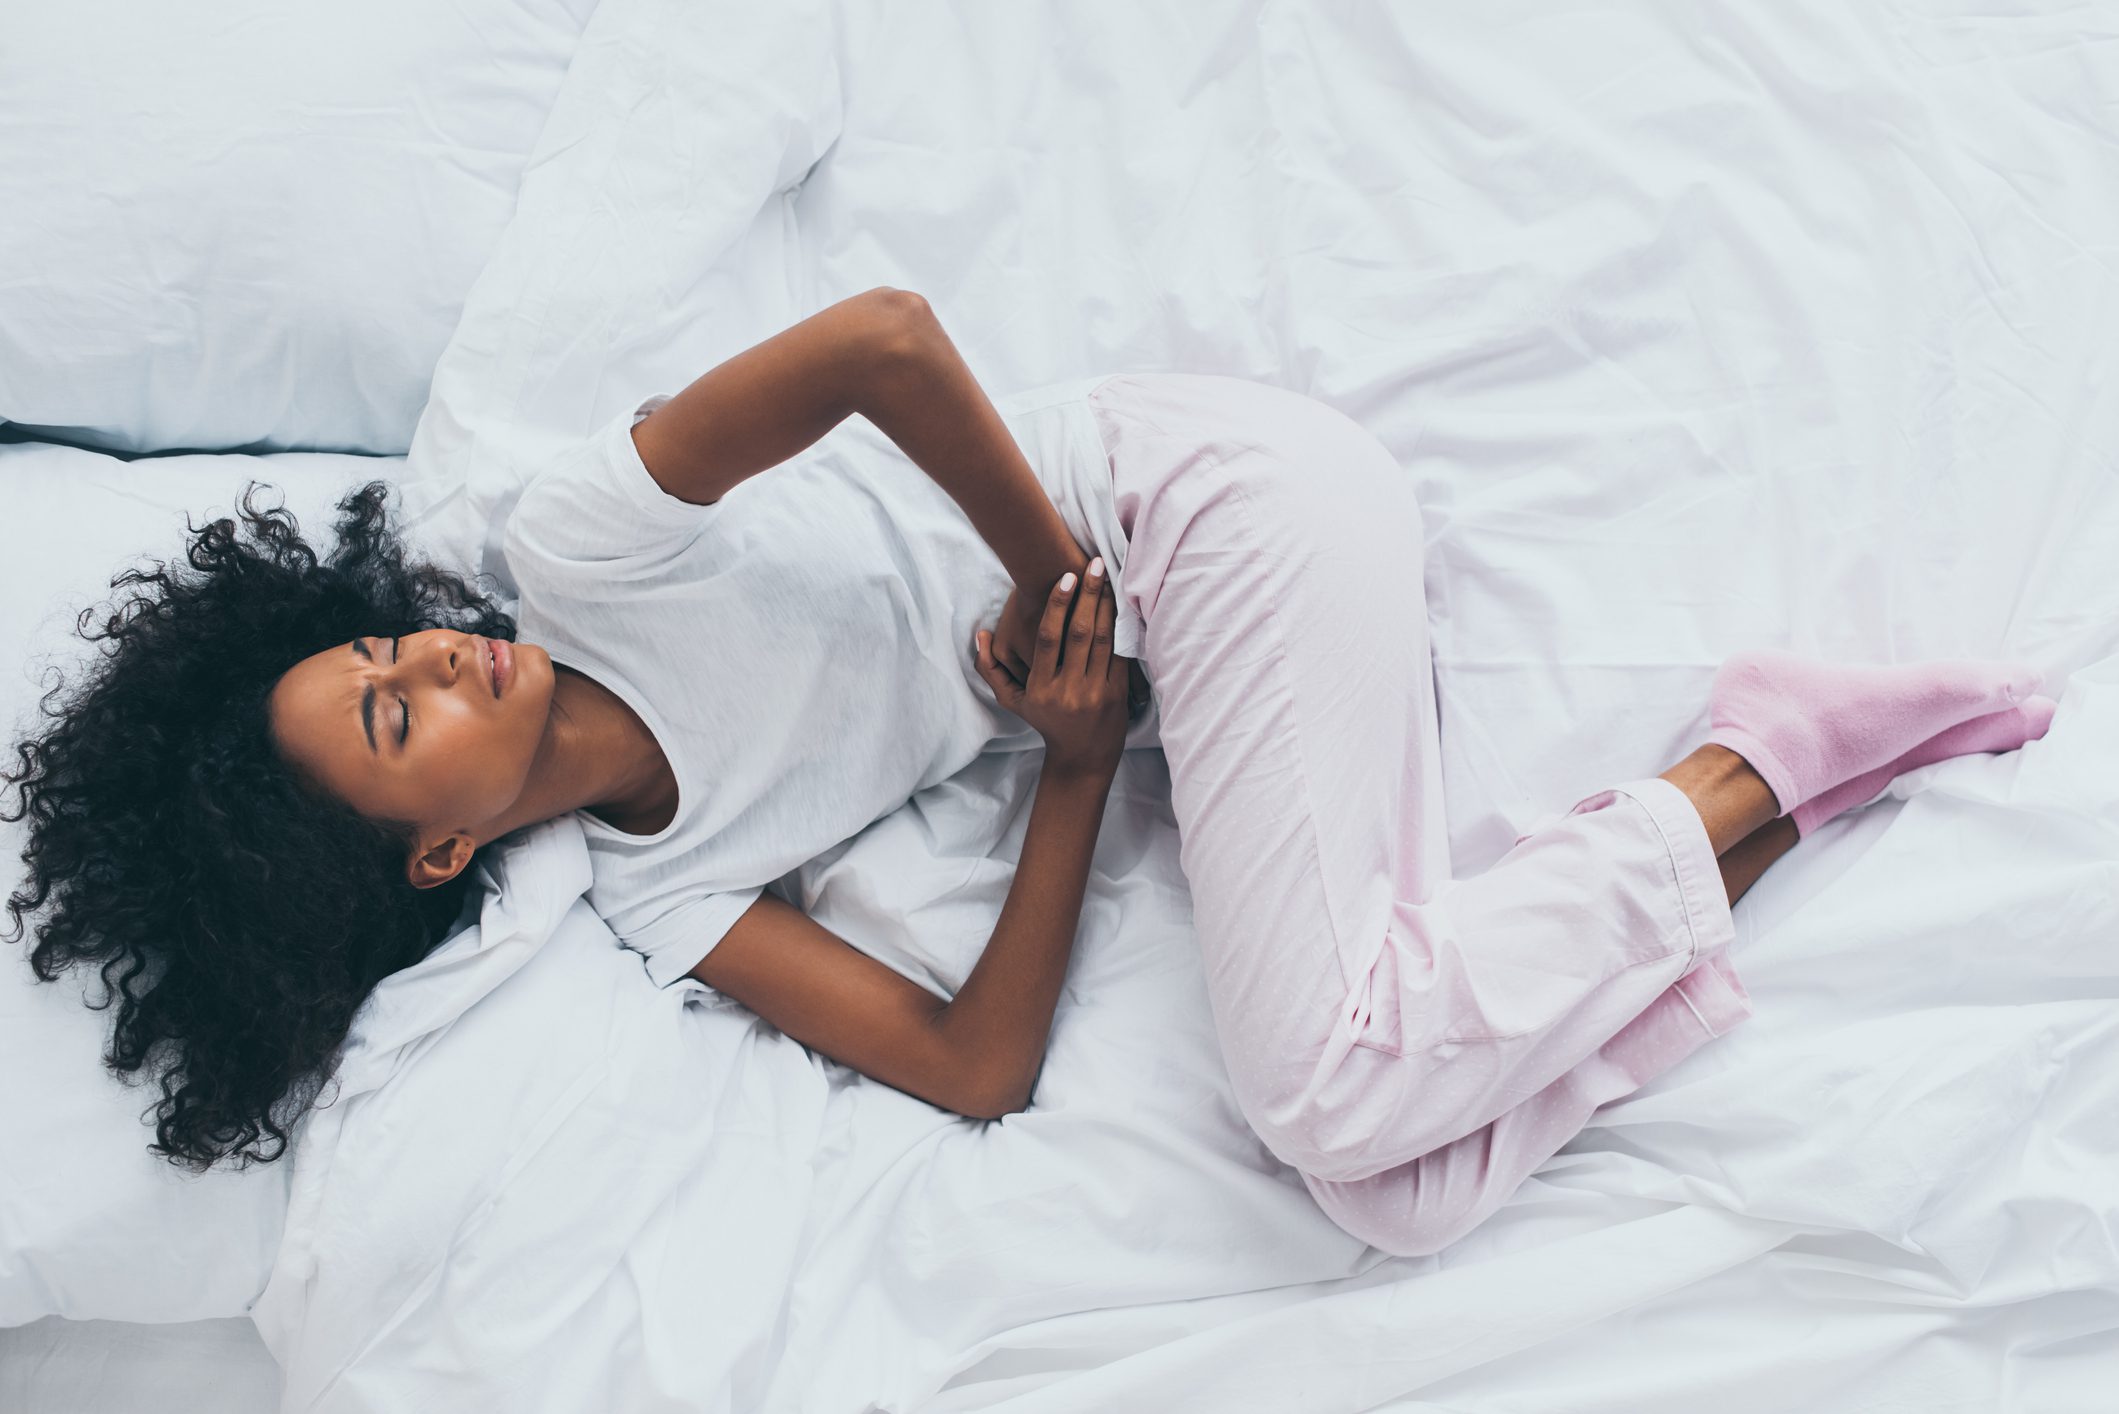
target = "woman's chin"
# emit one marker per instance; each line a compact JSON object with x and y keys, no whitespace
{"x":535,"y":668}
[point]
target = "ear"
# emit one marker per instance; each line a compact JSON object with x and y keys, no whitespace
{"x":441,"y":861}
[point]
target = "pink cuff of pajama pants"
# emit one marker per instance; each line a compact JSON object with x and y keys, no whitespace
{"x":1710,"y":985}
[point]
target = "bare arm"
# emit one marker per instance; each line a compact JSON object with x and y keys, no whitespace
{"x":976,"y":1055}
{"x":882,"y":354}
{"x":1002,"y":1015}
{"x":769,"y":402}
{"x":927,"y":402}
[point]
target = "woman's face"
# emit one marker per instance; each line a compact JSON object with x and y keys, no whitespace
{"x":418,"y":728}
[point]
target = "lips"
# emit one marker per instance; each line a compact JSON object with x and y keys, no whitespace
{"x":501,"y":663}
{"x":485,"y":661}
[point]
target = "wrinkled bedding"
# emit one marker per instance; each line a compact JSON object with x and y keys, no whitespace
{"x":1697,"y":328}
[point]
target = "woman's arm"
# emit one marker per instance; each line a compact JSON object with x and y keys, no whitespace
{"x":1002,"y":1015}
{"x":925,"y":400}
{"x":977,"y":1054}
{"x":882,"y":354}
{"x":771,"y":401}
{"x":980,"y":1052}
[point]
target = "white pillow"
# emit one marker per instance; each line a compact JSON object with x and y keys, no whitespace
{"x":251,"y":224}
{"x":654,"y":237}
{"x":92,"y":1226}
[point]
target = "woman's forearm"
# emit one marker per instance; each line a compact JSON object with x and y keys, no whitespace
{"x":923,"y":397}
{"x":1001,"y":1018}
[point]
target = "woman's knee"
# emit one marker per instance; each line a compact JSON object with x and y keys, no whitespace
{"x":1332,"y":1147}
{"x":1408,"y":1211}
{"x":1375,"y":1110}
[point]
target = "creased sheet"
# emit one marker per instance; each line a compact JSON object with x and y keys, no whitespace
{"x":1697,"y":328}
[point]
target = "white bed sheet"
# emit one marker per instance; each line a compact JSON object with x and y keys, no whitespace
{"x":57,"y":1366}
{"x":1697,"y":329}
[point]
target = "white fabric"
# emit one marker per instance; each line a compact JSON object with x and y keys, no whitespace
{"x":1695,"y":331}
{"x":57,"y":1366}
{"x":801,"y":649}
{"x":1697,"y":328}
{"x":539,"y":363}
{"x":252,"y":225}
{"x":92,"y":1226}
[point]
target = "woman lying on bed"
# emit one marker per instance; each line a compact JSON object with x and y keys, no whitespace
{"x":265,"y":798}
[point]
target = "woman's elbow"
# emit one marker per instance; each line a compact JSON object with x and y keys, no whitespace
{"x":995,"y":1103}
{"x":905,"y":323}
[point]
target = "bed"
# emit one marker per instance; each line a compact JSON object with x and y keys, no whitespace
{"x":1696,"y":328}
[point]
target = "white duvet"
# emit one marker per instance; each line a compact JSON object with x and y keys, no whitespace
{"x":1697,"y":328}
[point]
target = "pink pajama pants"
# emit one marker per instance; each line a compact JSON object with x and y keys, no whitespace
{"x":1413,"y":1045}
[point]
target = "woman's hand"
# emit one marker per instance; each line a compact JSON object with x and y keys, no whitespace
{"x":1015,"y":643}
{"x":1075,"y":692}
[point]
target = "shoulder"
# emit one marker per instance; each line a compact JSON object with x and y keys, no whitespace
{"x":593,"y":501}
{"x":539,"y":504}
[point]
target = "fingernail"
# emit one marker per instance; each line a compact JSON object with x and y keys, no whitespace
{"x":1096,"y":568}
{"x":1067,"y":582}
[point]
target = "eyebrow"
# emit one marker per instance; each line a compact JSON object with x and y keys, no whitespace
{"x":367,"y":700}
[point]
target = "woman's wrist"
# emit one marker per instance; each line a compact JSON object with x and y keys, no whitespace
{"x":1079,"y":775}
{"x":1061,"y":554}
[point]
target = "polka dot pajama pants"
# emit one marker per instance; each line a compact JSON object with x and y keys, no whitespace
{"x":1413,"y":1045}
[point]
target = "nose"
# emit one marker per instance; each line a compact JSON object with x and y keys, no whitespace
{"x":448,"y":656}
{"x":436,"y":656}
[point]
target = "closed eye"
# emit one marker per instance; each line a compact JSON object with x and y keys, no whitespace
{"x":404,"y":728}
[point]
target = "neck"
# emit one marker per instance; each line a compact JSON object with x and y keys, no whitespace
{"x":595,"y":755}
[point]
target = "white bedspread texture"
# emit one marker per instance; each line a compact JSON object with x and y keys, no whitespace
{"x":1698,"y":327}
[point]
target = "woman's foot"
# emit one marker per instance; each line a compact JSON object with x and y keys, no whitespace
{"x":1806,"y":725}
{"x":1997,"y":731}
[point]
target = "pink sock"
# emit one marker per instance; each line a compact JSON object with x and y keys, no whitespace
{"x":1997,"y":731}
{"x":1806,"y":725}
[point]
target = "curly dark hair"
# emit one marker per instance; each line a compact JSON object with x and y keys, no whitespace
{"x":240,"y":913}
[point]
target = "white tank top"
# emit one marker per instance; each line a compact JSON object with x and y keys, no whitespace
{"x":800,"y":649}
